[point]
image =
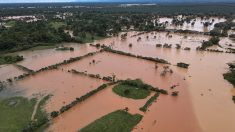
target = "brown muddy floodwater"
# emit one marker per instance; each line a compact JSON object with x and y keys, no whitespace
{"x":204,"y":102}
{"x":9,"y":71}
{"x":42,"y":58}
{"x":64,"y":87}
{"x":125,"y":67}
{"x":37,"y":59}
{"x":93,"y":108}
{"x":210,"y":93}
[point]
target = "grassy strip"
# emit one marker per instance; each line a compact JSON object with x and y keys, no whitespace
{"x":80,"y":99}
{"x":24,"y":68}
{"x":10,"y":59}
{"x":16,"y":113}
{"x":117,"y":121}
{"x":129,"y":91}
{"x":40,"y":118}
{"x":156,"y":60}
{"x":149,"y":102}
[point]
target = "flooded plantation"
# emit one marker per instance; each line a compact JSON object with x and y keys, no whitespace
{"x":206,"y":85}
{"x":36,"y":59}
{"x":195,"y":24}
{"x":64,"y":87}
{"x":202,"y":93}
{"x":93,"y":108}
{"x":108,"y":64}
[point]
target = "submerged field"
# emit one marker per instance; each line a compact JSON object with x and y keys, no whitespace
{"x":198,"y":99}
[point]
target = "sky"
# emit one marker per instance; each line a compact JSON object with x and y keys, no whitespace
{"x":35,"y":1}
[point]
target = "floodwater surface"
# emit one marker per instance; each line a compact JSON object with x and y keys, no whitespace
{"x":63,"y":86}
{"x":211,"y":94}
{"x":123,"y":67}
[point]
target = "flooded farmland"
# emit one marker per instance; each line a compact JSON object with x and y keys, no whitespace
{"x":204,"y":101}
{"x":206,"y":85}
{"x":198,"y":23}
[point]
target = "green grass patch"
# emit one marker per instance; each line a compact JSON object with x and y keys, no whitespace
{"x":149,"y":102}
{"x":117,"y":121}
{"x":16,"y":113}
{"x":129,"y":91}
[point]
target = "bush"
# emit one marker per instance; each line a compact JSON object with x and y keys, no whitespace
{"x":183,"y":65}
{"x":211,"y":42}
{"x":54,"y":114}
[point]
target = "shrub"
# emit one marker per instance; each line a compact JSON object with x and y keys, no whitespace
{"x":183,"y":65}
{"x":54,"y":114}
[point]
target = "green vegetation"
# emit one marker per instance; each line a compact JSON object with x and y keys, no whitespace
{"x":140,"y":84}
{"x":10,"y":59}
{"x":27,"y":35}
{"x":183,"y":65}
{"x":211,"y":42}
{"x":129,"y":91}
{"x":16,"y":114}
{"x":54,"y":114}
{"x":117,"y":121}
{"x":149,"y":102}
{"x":57,"y":25}
{"x":230,"y":76}
{"x":10,"y":23}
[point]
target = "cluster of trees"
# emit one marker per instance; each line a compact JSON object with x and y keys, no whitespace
{"x":183,"y":65}
{"x":211,"y":42}
{"x":10,"y":59}
{"x":230,"y":76}
{"x":202,"y":9}
{"x":25,"y":35}
{"x":140,"y":84}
